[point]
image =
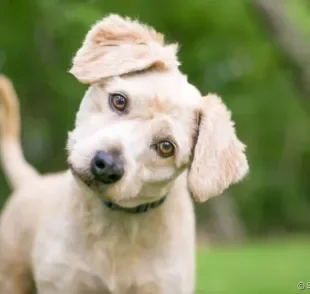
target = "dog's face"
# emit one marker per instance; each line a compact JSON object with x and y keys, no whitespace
{"x":141,"y":123}
{"x":145,"y":124}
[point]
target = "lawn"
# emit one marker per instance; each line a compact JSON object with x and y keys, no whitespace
{"x":271,"y":267}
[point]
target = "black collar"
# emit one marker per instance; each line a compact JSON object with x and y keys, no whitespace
{"x":138,"y":209}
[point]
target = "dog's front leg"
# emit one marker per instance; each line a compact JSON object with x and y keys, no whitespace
{"x":14,"y":279}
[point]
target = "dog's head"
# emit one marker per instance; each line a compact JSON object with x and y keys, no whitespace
{"x":141,"y":123}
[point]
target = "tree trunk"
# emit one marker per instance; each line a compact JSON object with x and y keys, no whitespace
{"x":288,"y":37}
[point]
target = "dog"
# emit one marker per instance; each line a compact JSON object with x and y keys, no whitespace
{"x":120,"y":220}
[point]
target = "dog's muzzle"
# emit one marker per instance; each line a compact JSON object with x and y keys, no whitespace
{"x":107,"y":168}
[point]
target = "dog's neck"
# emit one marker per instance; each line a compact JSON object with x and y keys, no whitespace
{"x":93,"y":220}
{"x":142,"y":208}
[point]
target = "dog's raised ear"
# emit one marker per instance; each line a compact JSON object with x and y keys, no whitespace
{"x":116,"y":46}
{"x":219,"y":158}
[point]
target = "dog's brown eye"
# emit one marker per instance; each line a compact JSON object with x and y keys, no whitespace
{"x":118,"y":102}
{"x":165,"y":149}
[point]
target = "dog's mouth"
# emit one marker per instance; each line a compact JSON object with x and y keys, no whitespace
{"x":86,"y":178}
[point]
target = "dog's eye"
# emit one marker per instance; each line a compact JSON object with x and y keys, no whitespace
{"x":118,"y":101}
{"x":165,"y":148}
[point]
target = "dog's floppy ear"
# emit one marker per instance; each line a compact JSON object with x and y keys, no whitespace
{"x":116,"y":46}
{"x":219,"y":158}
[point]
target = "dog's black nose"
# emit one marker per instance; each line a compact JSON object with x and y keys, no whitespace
{"x":107,"y":168}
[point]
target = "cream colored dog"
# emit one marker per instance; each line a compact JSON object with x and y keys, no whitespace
{"x":120,"y":220}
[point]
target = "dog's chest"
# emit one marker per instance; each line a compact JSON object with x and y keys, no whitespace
{"x":127,"y":262}
{"x":124,"y":268}
{"x":112,"y":272}
{"x":134,"y":261}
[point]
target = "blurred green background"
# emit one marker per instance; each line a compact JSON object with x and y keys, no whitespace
{"x":256,"y":55}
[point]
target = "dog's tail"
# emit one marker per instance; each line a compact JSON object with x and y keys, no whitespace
{"x":15,"y":166}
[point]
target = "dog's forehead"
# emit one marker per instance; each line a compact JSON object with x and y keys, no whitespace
{"x":158,"y":89}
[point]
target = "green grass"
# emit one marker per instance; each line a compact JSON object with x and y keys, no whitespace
{"x":263,"y":268}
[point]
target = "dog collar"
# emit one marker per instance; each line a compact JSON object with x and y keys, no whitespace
{"x":138,"y":209}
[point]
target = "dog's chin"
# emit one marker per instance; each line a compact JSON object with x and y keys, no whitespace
{"x":136,"y":201}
